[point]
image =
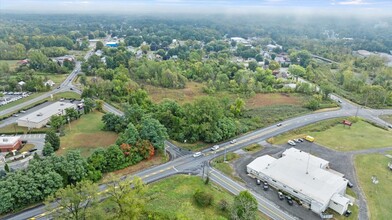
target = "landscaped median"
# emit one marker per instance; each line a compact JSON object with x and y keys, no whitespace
{"x":333,"y":134}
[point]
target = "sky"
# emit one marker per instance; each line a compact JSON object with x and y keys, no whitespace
{"x":192,"y":6}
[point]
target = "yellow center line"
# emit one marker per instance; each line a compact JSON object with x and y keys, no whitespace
{"x":262,"y":205}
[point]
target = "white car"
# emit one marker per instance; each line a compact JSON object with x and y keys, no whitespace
{"x":292,"y":143}
{"x":215,"y":147}
{"x":233,"y":141}
{"x":197,"y":154}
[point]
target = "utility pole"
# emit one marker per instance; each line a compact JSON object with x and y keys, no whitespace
{"x":224,"y":157}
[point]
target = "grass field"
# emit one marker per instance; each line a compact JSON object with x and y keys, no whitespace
{"x":27,"y":147}
{"x":260,"y":100}
{"x":177,"y":192}
{"x":226,"y":167}
{"x":56,"y":78}
{"x":361,"y":135}
{"x":378,"y":196}
{"x":14,"y":128}
{"x":86,"y":134}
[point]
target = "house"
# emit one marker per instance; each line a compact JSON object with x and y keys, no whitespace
{"x":23,"y":62}
{"x":49,"y":82}
{"x":10,"y":143}
{"x":271,"y":47}
{"x":21,"y":83}
{"x":305,"y":177}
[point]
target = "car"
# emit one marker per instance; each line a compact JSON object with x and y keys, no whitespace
{"x":280,"y":195}
{"x":197,"y":154}
{"x":258,"y":182}
{"x":280,"y":124}
{"x":340,"y":101}
{"x":22,"y":111}
{"x":62,"y":99}
{"x":289,"y":200}
{"x":292,"y":143}
{"x":390,"y":126}
{"x":32,"y":150}
{"x":16,"y":115}
{"x":233,"y":141}
{"x":296,"y":140}
{"x":350,"y":184}
{"x":301,"y":140}
{"x":58,"y":87}
{"x":347,"y":213}
{"x":70,"y":88}
{"x":215,"y":147}
{"x":265,"y":186}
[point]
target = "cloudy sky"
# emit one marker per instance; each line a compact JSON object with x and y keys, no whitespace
{"x":191,"y":5}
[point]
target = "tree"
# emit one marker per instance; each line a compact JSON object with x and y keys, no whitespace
{"x":253,"y":65}
{"x":56,"y":121}
{"x":129,"y":136}
{"x":115,"y":158}
{"x":78,"y":201}
{"x":99,"y":45}
{"x":126,"y":197}
{"x":273,"y":65}
{"x":244,"y":207}
{"x":52,"y":138}
{"x":152,"y":130}
{"x":6,"y":168}
{"x":237,"y":107}
{"x":202,"y":198}
{"x":98,"y":159}
{"x":48,"y":149}
{"x":88,"y":105}
{"x":296,"y":70}
{"x":37,"y":60}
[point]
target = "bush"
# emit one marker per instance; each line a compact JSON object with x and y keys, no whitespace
{"x":223,"y":205}
{"x":202,"y":198}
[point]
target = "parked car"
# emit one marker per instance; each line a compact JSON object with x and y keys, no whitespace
{"x":215,"y":147}
{"x":16,"y":115}
{"x":289,"y":200}
{"x":258,"y":182}
{"x":22,"y":111}
{"x":71,"y":88}
{"x":390,"y":126}
{"x":301,"y":140}
{"x":233,"y":141}
{"x":347,"y":213}
{"x":265,"y":186}
{"x":350,"y":184}
{"x":292,"y":143}
{"x":340,"y":101}
{"x":296,"y":140}
{"x":280,"y":124}
{"x":197,"y":154}
{"x":280,"y":195}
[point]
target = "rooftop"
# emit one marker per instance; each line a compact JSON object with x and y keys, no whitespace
{"x":302,"y":172}
{"x":8,"y":140}
{"x":47,"y":112}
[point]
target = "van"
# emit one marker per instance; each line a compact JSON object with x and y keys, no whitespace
{"x":309,"y":138}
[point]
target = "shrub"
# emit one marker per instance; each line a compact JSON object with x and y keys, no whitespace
{"x":223,"y":205}
{"x":202,"y":198}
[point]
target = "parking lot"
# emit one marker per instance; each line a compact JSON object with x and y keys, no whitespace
{"x":9,"y":97}
{"x":339,"y":161}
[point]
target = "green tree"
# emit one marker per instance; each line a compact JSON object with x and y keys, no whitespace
{"x":52,"y":138}
{"x":237,"y":107}
{"x":202,"y":198}
{"x":115,"y":158}
{"x":88,"y":105}
{"x":98,"y":160}
{"x":297,"y":71}
{"x":244,"y":207}
{"x":6,"y":168}
{"x":129,"y":136}
{"x":37,"y":60}
{"x":78,"y":201}
{"x":99,"y":45}
{"x":273,"y":65}
{"x":48,"y":149}
{"x":127,"y":202}
{"x":152,"y":130}
{"x":56,"y":121}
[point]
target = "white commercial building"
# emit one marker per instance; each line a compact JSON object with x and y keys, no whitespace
{"x":41,"y":117}
{"x":305,"y":177}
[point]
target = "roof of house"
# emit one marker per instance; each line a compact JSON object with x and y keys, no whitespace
{"x":8,"y":140}
{"x":46,"y":112}
{"x":302,"y":172}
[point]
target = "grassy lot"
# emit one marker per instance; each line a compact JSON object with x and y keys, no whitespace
{"x":226,"y":167}
{"x":14,"y":128}
{"x":66,"y":95}
{"x":27,"y":147}
{"x":334,"y":135}
{"x":86,"y":134}
{"x":378,"y":196}
{"x":253,"y":148}
{"x":261,"y":99}
{"x":56,"y":78}
{"x":177,"y":192}
{"x":17,"y":102}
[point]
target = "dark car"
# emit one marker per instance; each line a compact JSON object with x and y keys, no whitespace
{"x":265,"y":186}
{"x":390,"y":126}
{"x":280,"y":195}
{"x":289,"y":200}
{"x":350,"y":184}
{"x":347,"y":213}
{"x":258,"y":182}
{"x":32,"y":150}
{"x":70,"y":88}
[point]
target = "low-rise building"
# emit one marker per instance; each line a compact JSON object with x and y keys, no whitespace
{"x":10,"y":143}
{"x":41,"y":117}
{"x":305,"y":177}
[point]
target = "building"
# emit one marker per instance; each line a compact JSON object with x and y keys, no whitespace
{"x":41,"y":117}
{"x":10,"y":143}
{"x":305,"y":177}
{"x":49,"y":83}
{"x":112,"y":44}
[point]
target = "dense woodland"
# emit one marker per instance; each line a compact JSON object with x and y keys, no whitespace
{"x":169,"y":53}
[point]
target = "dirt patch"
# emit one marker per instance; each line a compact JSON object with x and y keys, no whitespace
{"x":260,"y":100}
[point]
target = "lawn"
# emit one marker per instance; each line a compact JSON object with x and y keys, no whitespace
{"x":66,"y":95}
{"x":378,"y":196}
{"x":14,"y":128}
{"x":177,"y":194}
{"x":270,"y":99}
{"x":56,"y":78}
{"x":225,"y":166}
{"x":86,"y":135}
{"x":361,"y":135}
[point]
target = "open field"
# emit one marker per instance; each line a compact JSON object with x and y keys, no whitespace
{"x":262,"y":99}
{"x":177,"y":192}
{"x":334,"y":135}
{"x":378,"y":196}
{"x":225,"y":166}
{"x":86,"y":134}
{"x":56,"y":78}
